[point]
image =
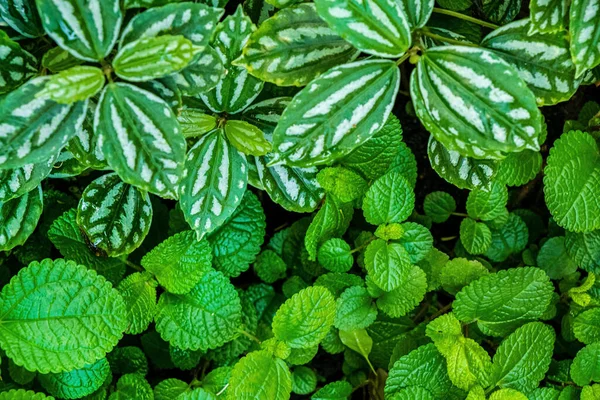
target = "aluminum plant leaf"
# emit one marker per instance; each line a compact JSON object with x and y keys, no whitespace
{"x":19,"y":217}
{"x":202,"y":73}
{"x":548,"y":16}
{"x":74,"y":84}
{"x":584,"y":26}
{"x":418,"y":12}
{"x":15,"y":182}
{"x":16,"y":64}
{"x":22,"y":16}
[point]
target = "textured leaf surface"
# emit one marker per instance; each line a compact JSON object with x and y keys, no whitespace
{"x":335,"y":255}
{"x":202,"y":73}
{"x":407,"y":296}
{"x":548,"y":16}
{"x":22,"y":394}
{"x":585,"y":365}
{"x":354,"y":309}
{"x":389,"y":199}
{"x":15,"y":182}
{"x":438,"y":206}
{"x":554,"y":259}
{"x":19,"y":217}
{"x":487,"y":205}
{"x":519,"y":168}
{"x":339,"y":390}
{"x":260,"y":376}
{"x":247,"y":138}
{"x":17,"y":64}
{"x":584,"y":249}
{"x":510,"y":238}
{"x":22,"y":17}
{"x":475,"y":236}
{"x":332,"y":219}
{"x":344,"y":183}
{"x":388,"y":264}
{"x":139,"y":293}
{"x":585,"y":34}
{"x":586,"y":326}
{"x":78,"y":382}
{"x":132,"y":386}
{"x":74,"y":84}
{"x":83,"y":320}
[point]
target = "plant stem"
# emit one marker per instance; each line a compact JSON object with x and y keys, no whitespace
{"x":371,"y":366}
{"x":448,"y":238}
{"x":405,"y":57}
{"x":465,"y":17}
{"x":134,"y":266}
{"x":459,"y":214}
{"x":222,"y":390}
{"x":425,"y":32}
{"x":249,"y":335}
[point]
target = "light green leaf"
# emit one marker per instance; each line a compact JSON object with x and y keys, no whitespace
{"x":304,"y":380}
{"x":22,"y":394}
{"x":586,"y":326}
{"x":202,"y":73}
{"x":132,"y":387}
{"x":407,"y":296}
{"x":79,"y":325}
{"x":205,"y":318}
{"x":468,"y":364}
{"x":141,"y":138}
{"x":260,"y":376}
{"x":418,"y":12}
{"x":18,"y":65}
{"x":585,"y":34}
{"x":22,"y":17}
{"x":197,"y":394}
{"x":553,"y":258}
{"x":388,"y":264}
{"x":376,"y":27}
{"x":213,"y":184}
{"x":305,"y":318}
{"x":389,"y":199}
{"x":357,"y":340}
{"x":487,"y":205}
{"x":139,"y":293}
{"x":519,"y":168}
{"x":445,"y":330}
{"x":585,"y":367}
{"x":195,"y":123}
{"x":476,"y":237}
{"x":584,"y":249}
{"x":293,"y":47}
{"x":413,"y":393}
{"x":417,"y":240}
{"x":439,"y":206}
{"x":590,"y":392}
{"x":170,"y":388}
{"x":16,"y":182}
{"x":88,"y":31}
{"x":74,"y":84}
{"x":335,"y":255}
{"x":523,"y":358}
{"x":339,"y":390}
{"x":78,"y":382}
{"x":354,"y":310}
{"x":460,"y":272}
{"x":344,"y":183}
{"x":336,"y":113}
{"x":115,"y":216}
{"x":58,"y":59}
{"x":502,"y":301}
{"x":247,"y":138}
{"x":331,"y":220}
{"x":571,"y":180}
{"x":508,"y":394}
{"x":19,"y":217}
{"x":510,"y":238}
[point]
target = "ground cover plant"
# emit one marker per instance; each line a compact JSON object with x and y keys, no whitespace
{"x":345,"y":199}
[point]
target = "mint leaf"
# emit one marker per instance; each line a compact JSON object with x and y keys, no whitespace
{"x":335,"y":255}
{"x":388,"y":264}
{"x":132,"y":386}
{"x":345,"y":184}
{"x":354,"y":309}
{"x":584,"y":368}
{"x":439,"y":206}
{"x":586,"y":326}
{"x":78,"y":382}
{"x":139,"y":293}
{"x":389,"y":199}
{"x":339,"y":390}
{"x":260,"y":375}
{"x":407,"y":296}
{"x":487,"y":205}
{"x":476,"y":237}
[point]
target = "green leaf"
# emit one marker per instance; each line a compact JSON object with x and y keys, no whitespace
{"x":170,"y":388}
{"x":132,"y":387}
{"x":586,"y":326}
{"x":115,"y":216}
{"x":335,"y":255}
{"x":418,"y":12}
{"x":304,"y":380}
{"x":58,"y":59}
{"x":357,"y":340}
{"x":571,"y":179}
{"x":519,"y":168}
{"x":293,"y":47}
{"x":247,"y":138}
{"x":141,"y":139}
{"x":22,"y":394}
{"x":585,"y":34}
{"x":197,"y":394}
{"x":487,"y":205}
{"x":388,"y":264}
{"x":80,"y":323}
{"x":417,"y":240}
{"x":523,"y":358}
{"x":19,"y":217}
{"x":455,"y":5}
{"x":501,"y":302}
{"x":510,"y":238}
{"x":260,"y":376}
{"x":202,"y":73}
{"x":195,"y":123}
{"x":339,"y":390}
{"x":331,"y":220}
{"x":16,"y":182}
{"x":22,"y":17}
{"x":405,"y":163}
{"x":213,"y":184}
{"x":179,"y":262}
{"x":439,"y":206}
{"x":376,"y":27}
{"x":585,"y":368}
{"x":88,"y":31}
{"x":389,"y":199}
{"x":590,"y":392}
{"x":344,"y":183}
{"x":237,"y":89}
{"x":74,"y":84}
{"x":354,"y":310}
{"x":407,"y":296}
{"x":460,"y":272}
{"x":139,"y":293}
{"x":584,"y":249}
{"x":205,"y":318}
{"x":78,"y":382}
{"x":269,"y":266}
{"x":468,"y":364}
{"x":85,"y":145}
{"x":507,"y":394}
{"x":501,"y":11}
{"x":304,"y":319}
{"x":476,"y":237}
{"x":542,"y":60}
{"x":553,"y":258}
{"x":337,"y":112}
{"x":17,"y":66}
{"x":35,"y":128}
{"x":128,"y":360}
{"x":474,"y":102}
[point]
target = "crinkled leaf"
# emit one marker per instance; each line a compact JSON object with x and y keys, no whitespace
{"x":331,"y":220}
{"x":553,"y":258}
{"x":407,"y":296}
{"x":389,"y":199}
{"x":260,"y":376}
{"x":487,"y":205}
{"x":335,"y":255}
{"x":388,"y":264}
{"x":132,"y":387}
{"x":78,"y":382}
{"x":510,"y":238}
{"x":354,"y":309}
{"x":139,"y":293}
{"x":475,"y":236}
{"x":343,"y":183}
{"x":460,"y":272}
{"x":584,"y":249}
{"x":585,"y":367}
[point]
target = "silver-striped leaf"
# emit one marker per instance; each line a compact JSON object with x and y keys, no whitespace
{"x":378,"y":27}
{"x":542,"y":60}
{"x":34,"y":128}
{"x":293,"y":47}
{"x":213,"y":184}
{"x":88,"y":30}
{"x":16,"y":64}
{"x":66,"y":166}
{"x":153,"y":57}
{"x":247,"y":138}
{"x":196,"y":22}
{"x":548,"y":16}
{"x":74,"y":84}
{"x":195,"y":123}
{"x":584,"y":26}
{"x":19,"y":217}
{"x":265,"y":114}
{"x":57,"y":59}
{"x":166,"y":89}
{"x":22,"y":16}
{"x":202,"y":73}
{"x":500,"y":11}
{"x":474,"y":102}
{"x":141,"y":138}
{"x":336,"y":113}
{"x":15,"y":182}
{"x":115,"y":216}
{"x":85,"y":145}
{"x":237,"y":89}
{"x":418,"y":12}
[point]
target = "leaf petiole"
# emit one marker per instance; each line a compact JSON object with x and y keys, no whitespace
{"x":465,"y":17}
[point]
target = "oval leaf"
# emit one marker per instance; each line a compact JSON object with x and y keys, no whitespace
{"x":19,"y":217}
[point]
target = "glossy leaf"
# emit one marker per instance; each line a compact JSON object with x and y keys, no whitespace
{"x":22,"y":17}
{"x":17,"y":65}
{"x":19,"y":217}
{"x":585,"y":34}
{"x":548,"y":16}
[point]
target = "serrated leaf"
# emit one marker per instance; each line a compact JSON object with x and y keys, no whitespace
{"x":343,"y":183}
{"x":388,"y":264}
{"x":139,"y":293}
{"x":523,"y":358}
{"x":439,"y":206}
{"x":571,"y":179}
{"x":585,"y":34}
{"x":487,"y":205}
{"x":17,"y":65}
{"x":304,"y":319}
{"x":88,"y":31}
{"x":586,"y":326}
{"x":22,"y":394}
{"x":205,"y":318}
{"x":23,"y":17}
{"x":519,"y":168}
{"x":269,"y":266}
{"x":542,"y":60}
{"x":337,"y":112}
{"x":502,"y":301}
{"x":339,"y":390}
{"x":141,"y":138}
{"x":389,"y":199}
{"x":584,"y":249}
{"x":58,"y":59}
{"x":128,"y":360}
{"x":170,"y":388}
{"x":476,"y":237}
{"x":376,"y":27}
{"x":332,"y":219}
{"x":247,"y":138}
{"x":584,"y":368}
{"x":554,"y":260}
{"x":34,"y":129}
{"x":510,"y":238}
{"x":201,"y":74}
{"x":407,"y":296}
{"x":293,"y":47}
{"x":335,"y":255}
{"x":474,"y":102}
{"x":548,"y":16}
{"x":460,"y":272}
{"x":304,"y":380}
{"x":417,"y":240}
{"x":468,"y":364}
{"x":354,"y":310}
{"x":413,"y":393}
{"x":260,"y":376}
{"x":19,"y":217}
{"x":213,"y":184}
{"x":79,"y":325}
{"x":78,"y":382}
{"x":132,"y":387}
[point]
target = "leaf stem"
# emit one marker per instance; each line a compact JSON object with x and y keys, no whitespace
{"x":459,"y":214}
{"x":465,"y":17}
{"x":371,"y":366}
{"x":441,"y":38}
{"x":405,"y":57}
{"x":134,"y":266}
{"x":250,"y":336}
{"x":220,"y":392}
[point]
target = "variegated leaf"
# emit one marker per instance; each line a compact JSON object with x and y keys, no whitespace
{"x":85,"y":145}
{"x":22,"y":16}
{"x":88,"y":30}
{"x":166,"y":89}
{"x":441,"y":35}
{"x":19,"y":217}
{"x":247,"y":138}
{"x":202,"y":73}
{"x":195,"y":122}
{"x":74,"y":84}
{"x":548,"y":16}
{"x":500,"y":11}
{"x":144,"y":3}
{"x":237,"y":89}
{"x":293,"y":47}
{"x":418,"y":12}
{"x":66,"y":166}
{"x":195,"y":22}
{"x":282,"y":3}
{"x":258,"y":10}
{"x":542,"y":60}
{"x":213,"y":184}
{"x":34,"y":128}
{"x":461,"y":171}
{"x":18,"y":181}
{"x":474,"y":102}
{"x":115,"y":216}
{"x":16,"y":64}
{"x":141,"y":138}
{"x":57,"y":59}
{"x":265,"y":114}
{"x":378,"y":27}
{"x":585,"y":34}
{"x":336,"y":112}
